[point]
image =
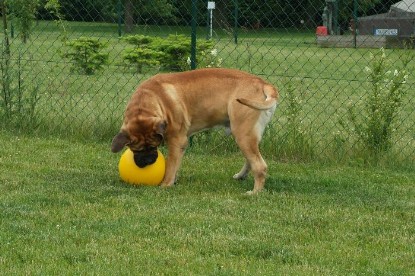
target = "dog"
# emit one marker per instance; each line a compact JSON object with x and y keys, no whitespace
{"x":171,"y":107}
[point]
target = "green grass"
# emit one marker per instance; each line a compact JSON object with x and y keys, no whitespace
{"x":325,"y":81}
{"x":63,"y":210}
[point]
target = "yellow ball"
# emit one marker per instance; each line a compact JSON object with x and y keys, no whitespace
{"x":151,"y":175}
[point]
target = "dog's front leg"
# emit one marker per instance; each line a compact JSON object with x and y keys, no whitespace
{"x":176,"y":148}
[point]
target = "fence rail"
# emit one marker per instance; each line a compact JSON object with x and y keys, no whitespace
{"x":69,"y":67}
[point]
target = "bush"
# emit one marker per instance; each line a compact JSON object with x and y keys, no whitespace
{"x":297,"y":141}
{"x":140,"y":57}
{"x":18,"y":100}
{"x":373,"y":120}
{"x":85,"y":53}
{"x":171,"y":53}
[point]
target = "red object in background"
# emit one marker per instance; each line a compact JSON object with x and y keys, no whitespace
{"x":321,"y":31}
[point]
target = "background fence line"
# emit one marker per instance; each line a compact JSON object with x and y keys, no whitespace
{"x":68,"y":68}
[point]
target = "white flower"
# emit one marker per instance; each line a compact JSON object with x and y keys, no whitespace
{"x":189,"y":61}
{"x":383,"y":52}
{"x":214,"y":52}
{"x":396,"y":72}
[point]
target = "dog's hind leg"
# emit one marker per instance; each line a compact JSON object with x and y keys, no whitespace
{"x":248,"y":140}
{"x":249,"y":147}
{"x":247,"y":127}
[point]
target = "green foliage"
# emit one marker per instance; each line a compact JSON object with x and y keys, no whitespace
{"x":207,"y":57}
{"x":140,"y":57}
{"x":143,"y":54}
{"x":171,"y":53}
{"x":177,"y":49}
{"x":167,"y":12}
{"x":374,"y":121}
{"x":54,"y":8}
{"x":18,"y":100}
{"x":85,"y":53}
{"x":296,"y":141}
{"x":24,"y":13}
{"x":139,"y":40}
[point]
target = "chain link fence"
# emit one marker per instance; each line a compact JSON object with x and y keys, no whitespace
{"x":68,"y":67}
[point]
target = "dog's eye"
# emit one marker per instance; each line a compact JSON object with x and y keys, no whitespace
{"x":159,"y":137}
{"x":135,"y":148}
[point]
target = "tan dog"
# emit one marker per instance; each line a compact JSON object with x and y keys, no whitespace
{"x":172,"y":107}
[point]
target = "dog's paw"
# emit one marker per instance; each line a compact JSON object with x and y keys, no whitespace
{"x":253,"y":192}
{"x":166,"y":185}
{"x":239,"y":176}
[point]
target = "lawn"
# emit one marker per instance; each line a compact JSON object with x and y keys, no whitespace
{"x":64,"y":211}
{"x":324,"y":83}
{"x":325,"y":210}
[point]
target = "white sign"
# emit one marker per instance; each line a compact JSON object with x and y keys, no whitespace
{"x":386,"y":32}
{"x":211,"y":5}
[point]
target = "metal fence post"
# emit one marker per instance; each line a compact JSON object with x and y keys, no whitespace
{"x":355,"y":7}
{"x":235,"y":28}
{"x":119,"y":13}
{"x":193,"y":42}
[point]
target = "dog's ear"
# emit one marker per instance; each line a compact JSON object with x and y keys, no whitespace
{"x":119,"y":141}
{"x":160,"y":129}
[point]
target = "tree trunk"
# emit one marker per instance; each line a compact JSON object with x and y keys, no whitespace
{"x":129,"y":16}
{"x":221,"y":15}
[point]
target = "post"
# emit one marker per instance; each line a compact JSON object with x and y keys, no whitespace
{"x":119,"y":13}
{"x":336,"y":17}
{"x":211,"y":24}
{"x":193,"y":41}
{"x":355,"y":23}
{"x":210,"y":7}
{"x":235,"y":28}
{"x":207,"y":22}
{"x":6,"y":35}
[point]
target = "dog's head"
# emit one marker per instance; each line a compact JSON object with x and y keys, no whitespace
{"x":142,"y":136}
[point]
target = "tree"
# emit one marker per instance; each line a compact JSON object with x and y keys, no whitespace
{"x":24,"y":13}
{"x":160,"y":12}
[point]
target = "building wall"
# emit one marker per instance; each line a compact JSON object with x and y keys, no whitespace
{"x":402,"y":27}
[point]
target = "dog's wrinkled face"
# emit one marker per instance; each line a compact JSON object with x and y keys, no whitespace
{"x":142,"y":137}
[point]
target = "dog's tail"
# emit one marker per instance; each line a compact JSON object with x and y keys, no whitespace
{"x":271,"y":98}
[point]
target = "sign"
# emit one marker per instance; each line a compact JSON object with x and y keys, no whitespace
{"x":211,"y":5}
{"x":390,"y":32}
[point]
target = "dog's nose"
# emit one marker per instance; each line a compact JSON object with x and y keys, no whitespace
{"x":142,"y":161}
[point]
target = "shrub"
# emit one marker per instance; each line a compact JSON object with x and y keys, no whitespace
{"x":24,"y":14}
{"x":171,"y":53}
{"x":85,"y":53}
{"x":140,"y":57}
{"x":296,"y":142}
{"x":373,"y":120}
{"x":207,"y":59}
{"x":177,"y":49}
{"x":18,"y":101}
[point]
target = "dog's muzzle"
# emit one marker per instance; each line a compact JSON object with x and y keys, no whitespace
{"x":145,"y":158}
